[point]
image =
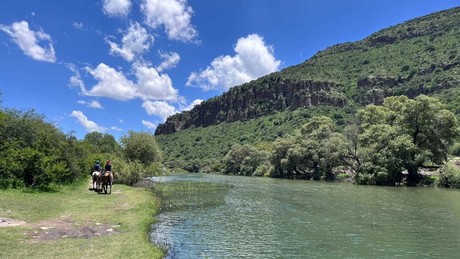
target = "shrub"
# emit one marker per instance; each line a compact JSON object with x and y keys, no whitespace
{"x":364,"y":179}
{"x":429,"y":180}
{"x":382,"y":178}
{"x":342,"y":177}
{"x":455,"y":149}
{"x":449,"y":176}
{"x":129,"y":173}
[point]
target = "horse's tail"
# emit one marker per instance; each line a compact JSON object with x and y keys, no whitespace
{"x":107,"y":177}
{"x":95,"y":174}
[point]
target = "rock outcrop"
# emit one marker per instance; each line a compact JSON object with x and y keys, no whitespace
{"x":255,"y":99}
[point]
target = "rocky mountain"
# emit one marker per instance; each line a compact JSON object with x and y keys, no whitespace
{"x":415,"y":57}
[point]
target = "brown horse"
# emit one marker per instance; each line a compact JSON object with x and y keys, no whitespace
{"x":96,"y":180}
{"x":107,"y":180}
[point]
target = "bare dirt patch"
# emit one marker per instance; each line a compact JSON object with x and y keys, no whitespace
{"x":9,"y":222}
{"x":61,"y":228}
{"x":65,"y":228}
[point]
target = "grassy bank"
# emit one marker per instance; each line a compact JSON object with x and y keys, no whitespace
{"x":78,"y":223}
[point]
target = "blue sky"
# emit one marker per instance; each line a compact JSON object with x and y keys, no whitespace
{"x":118,"y":65}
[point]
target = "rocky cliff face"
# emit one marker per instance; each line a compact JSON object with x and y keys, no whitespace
{"x":251,"y":101}
{"x":420,"y":56}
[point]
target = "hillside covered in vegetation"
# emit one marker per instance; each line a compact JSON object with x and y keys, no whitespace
{"x":418,"y":57}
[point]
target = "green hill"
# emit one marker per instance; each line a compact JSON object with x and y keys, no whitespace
{"x":417,"y":57}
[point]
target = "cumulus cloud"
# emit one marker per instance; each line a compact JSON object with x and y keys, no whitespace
{"x":93,"y":104}
{"x":90,"y":126}
{"x":116,"y":7}
{"x":170,"y":60}
{"x":136,"y":40}
{"x":113,"y":84}
{"x":149,"y":124}
{"x":190,"y":106}
{"x":153,"y":86}
{"x":173,"y":15}
{"x":253,"y":59}
{"x":159,"y":108}
{"x":29,"y":41}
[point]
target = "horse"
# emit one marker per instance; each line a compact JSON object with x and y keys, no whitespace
{"x":96,"y":181}
{"x":107,"y":180}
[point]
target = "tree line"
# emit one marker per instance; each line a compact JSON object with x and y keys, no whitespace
{"x":36,"y":154}
{"x":382,"y":145}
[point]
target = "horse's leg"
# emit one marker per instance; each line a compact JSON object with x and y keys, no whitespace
{"x":111,"y":182}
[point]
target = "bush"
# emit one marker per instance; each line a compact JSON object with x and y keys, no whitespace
{"x":429,"y":180}
{"x":382,"y":178}
{"x":263,"y":170}
{"x":364,"y":179}
{"x":342,"y":177}
{"x":129,"y":173}
{"x":455,"y":149}
{"x":449,"y":176}
{"x":142,"y":147}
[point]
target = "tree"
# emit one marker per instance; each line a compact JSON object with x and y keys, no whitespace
{"x":34,"y":153}
{"x":102,"y":143}
{"x":313,"y":152}
{"x":243,"y":160}
{"x":404,"y":134}
{"x":141,"y":146}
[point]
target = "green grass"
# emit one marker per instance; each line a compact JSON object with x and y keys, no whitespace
{"x":131,"y":210}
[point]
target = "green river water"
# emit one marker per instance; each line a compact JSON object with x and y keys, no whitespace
{"x":273,"y":218}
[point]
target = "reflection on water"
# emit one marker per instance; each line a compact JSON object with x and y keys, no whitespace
{"x":272,"y":218}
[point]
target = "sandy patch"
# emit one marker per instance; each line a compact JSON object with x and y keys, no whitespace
{"x":61,"y":228}
{"x":9,"y":222}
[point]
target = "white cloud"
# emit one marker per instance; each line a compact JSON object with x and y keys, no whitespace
{"x":93,"y":104}
{"x":113,"y":84}
{"x":170,"y":60}
{"x":75,"y":80}
{"x":159,"y":108}
{"x":173,"y":15}
{"x":135,"y":41}
{"x":149,"y":124}
{"x":117,"y":7}
{"x":116,"y":128}
{"x":28,"y":41}
{"x":90,"y":126}
{"x":195,"y":102}
{"x":78,"y":25}
{"x":253,"y":59}
{"x":153,"y":86}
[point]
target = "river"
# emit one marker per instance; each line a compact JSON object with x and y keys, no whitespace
{"x":275,"y":218}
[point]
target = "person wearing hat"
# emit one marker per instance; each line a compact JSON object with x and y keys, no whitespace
{"x":97,"y":167}
{"x":108,"y":166}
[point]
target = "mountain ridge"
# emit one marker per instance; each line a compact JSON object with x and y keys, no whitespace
{"x":416,"y":57}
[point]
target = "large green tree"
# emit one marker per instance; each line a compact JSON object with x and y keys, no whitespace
{"x":405,"y":134}
{"x":141,"y":146}
{"x":244,"y":160}
{"x":102,"y":143}
{"x":313,"y":152}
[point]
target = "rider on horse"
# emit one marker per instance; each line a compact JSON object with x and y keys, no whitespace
{"x":108,"y":166}
{"x":97,"y":167}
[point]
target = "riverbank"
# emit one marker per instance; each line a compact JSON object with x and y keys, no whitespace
{"x":76,"y":222}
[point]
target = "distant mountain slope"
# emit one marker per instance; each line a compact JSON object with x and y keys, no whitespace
{"x":415,"y":57}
